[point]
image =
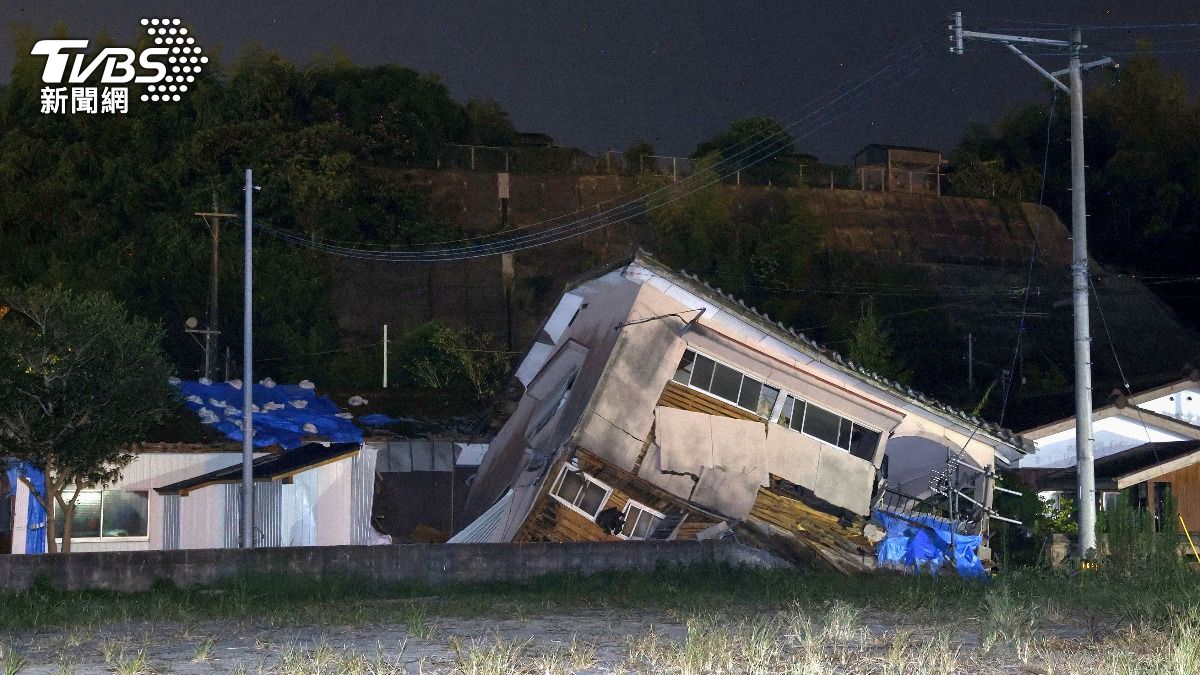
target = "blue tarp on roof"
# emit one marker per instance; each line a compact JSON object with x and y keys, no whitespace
{"x":35,"y":534}
{"x":921,"y":542}
{"x":283,"y":413}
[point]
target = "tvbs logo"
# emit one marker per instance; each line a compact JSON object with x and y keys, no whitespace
{"x":168,"y":69}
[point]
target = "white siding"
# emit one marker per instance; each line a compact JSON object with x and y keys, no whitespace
{"x":1183,"y":406}
{"x":333,"y":504}
{"x":148,"y":471}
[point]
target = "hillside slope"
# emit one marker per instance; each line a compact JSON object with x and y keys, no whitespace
{"x":966,"y":261}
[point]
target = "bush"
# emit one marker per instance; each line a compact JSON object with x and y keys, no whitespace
{"x":437,"y":356}
{"x":1134,"y":544}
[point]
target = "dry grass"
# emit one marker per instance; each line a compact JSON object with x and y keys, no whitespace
{"x":682,"y":623}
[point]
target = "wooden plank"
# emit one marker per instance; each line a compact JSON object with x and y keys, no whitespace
{"x":676,"y":395}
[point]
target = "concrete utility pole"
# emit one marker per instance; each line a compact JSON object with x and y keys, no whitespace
{"x":1085,"y":459}
{"x":248,"y":374}
{"x":1085,"y":468}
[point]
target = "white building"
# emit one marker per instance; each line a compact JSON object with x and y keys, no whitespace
{"x":187,"y":497}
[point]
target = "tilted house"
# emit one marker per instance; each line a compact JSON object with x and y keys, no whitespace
{"x":656,"y":407}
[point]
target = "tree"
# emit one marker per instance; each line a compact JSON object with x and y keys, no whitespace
{"x":639,"y":158}
{"x":80,"y":381}
{"x":490,"y":124}
{"x":759,"y":147}
{"x":871,"y":347}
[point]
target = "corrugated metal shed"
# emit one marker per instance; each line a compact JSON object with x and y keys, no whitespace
{"x":487,"y":527}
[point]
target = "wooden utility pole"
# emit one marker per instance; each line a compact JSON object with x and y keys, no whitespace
{"x":212,"y":327}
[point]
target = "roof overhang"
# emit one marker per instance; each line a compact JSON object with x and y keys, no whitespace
{"x":1126,"y":407}
{"x":281,"y":467}
{"x":1152,"y":472}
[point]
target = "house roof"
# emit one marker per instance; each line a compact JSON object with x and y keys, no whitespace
{"x":1125,"y":407}
{"x":886,"y":146}
{"x":1116,"y":471}
{"x":267,"y":467}
{"x":833,"y":359}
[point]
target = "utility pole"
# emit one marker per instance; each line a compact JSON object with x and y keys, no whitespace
{"x":248,"y":374}
{"x":1085,"y":465}
{"x":385,"y":356}
{"x":971,"y":361}
{"x":212,"y":329}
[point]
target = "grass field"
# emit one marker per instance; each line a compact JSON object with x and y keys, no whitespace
{"x":682,"y":620}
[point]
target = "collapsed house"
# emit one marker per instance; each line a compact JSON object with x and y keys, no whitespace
{"x":1146,"y":448}
{"x":657,"y":407}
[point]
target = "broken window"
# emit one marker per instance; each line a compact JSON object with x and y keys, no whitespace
{"x":581,"y":492}
{"x":640,"y":521}
{"x":699,"y":371}
{"x":828,"y":426}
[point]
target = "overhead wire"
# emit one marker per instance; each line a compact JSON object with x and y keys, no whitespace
{"x":832,"y":110}
{"x":748,"y":146}
{"x":616,"y":215}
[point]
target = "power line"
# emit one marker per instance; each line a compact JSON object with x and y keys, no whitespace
{"x":834,"y":109}
{"x":909,"y":50}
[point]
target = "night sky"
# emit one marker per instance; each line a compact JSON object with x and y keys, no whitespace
{"x":602,"y":75}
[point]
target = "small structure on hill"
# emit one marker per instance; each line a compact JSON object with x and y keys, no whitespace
{"x":896,"y":168}
{"x":657,"y":407}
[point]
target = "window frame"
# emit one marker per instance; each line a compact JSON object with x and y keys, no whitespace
{"x":587,"y":477}
{"x":853,"y":422}
{"x":779,"y":391}
{"x":777,"y":408}
{"x":645,"y":509}
{"x":109,"y":539}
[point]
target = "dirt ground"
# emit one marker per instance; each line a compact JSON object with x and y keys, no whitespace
{"x":833,"y":638}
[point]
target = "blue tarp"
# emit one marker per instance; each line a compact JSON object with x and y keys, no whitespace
{"x":35,"y":534}
{"x":283,"y":413}
{"x":378,"y":420}
{"x":922,"y":543}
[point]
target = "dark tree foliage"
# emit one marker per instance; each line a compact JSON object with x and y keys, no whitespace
{"x":1142,"y":142}
{"x":106,"y":201}
{"x":759,"y":147}
{"x":639,"y":158}
{"x":80,"y":380}
{"x":490,"y":124}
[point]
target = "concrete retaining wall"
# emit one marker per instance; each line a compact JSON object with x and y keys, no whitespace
{"x":411,"y":563}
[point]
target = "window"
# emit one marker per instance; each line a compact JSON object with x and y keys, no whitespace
{"x":106,"y":514}
{"x":640,"y":521}
{"x":581,"y":492}
{"x":824,"y":425}
{"x":699,"y":371}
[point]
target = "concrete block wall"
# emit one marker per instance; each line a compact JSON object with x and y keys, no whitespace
{"x":428,"y":564}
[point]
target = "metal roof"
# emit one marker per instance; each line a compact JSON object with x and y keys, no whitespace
{"x":483,"y":530}
{"x":268,"y":467}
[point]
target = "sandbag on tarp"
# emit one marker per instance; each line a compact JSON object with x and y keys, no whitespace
{"x":921,"y":542}
{"x":283,"y":414}
{"x":35,"y":521}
